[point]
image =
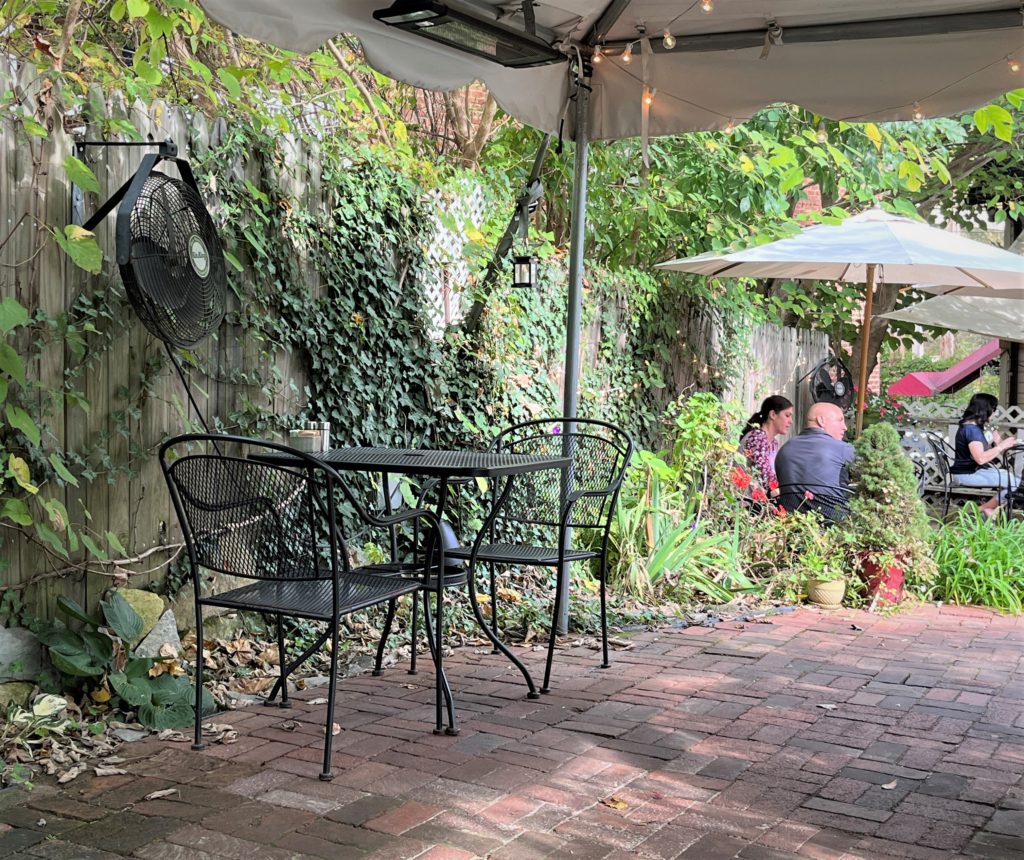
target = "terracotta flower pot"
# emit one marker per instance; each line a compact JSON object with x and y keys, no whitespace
{"x":884,"y":584}
{"x":828,"y":594}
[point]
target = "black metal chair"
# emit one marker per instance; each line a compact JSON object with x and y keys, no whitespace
{"x":556,"y":502}
{"x":274,"y":520}
{"x":832,"y":504}
{"x":942,"y":455}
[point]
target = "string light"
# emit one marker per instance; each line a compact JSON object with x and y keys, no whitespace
{"x":822,"y":132}
{"x":730,"y":125}
{"x":627,"y":55}
{"x":707,"y":6}
{"x":669,"y":41}
{"x":1013,"y":64}
{"x":648,"y":97}
{"x":598,"y":56}
{"x":918,"y":114}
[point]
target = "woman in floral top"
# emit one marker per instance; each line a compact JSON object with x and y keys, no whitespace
{"x":760,"y":440}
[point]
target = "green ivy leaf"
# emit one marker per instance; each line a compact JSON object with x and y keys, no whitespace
{"x":16,"y":511}
{"x":12,"y":315}
{"x":115,"y":544}
{"x":81,"y":174}
{"x":93,"y":549}
{"x":123,"y":620}
{"x":3,"y":389}
{"x":230,"y":83}
{"x":80,"y":245}
{"x":58,"y":514}
{"x":33,"y":128}
{"x":62,"y":470}
{"x":233,"y":261}
{"x":19,"y":419}
{"x":51,"y":538}
{"x":11,"y":364}
{"x":138,"y":8}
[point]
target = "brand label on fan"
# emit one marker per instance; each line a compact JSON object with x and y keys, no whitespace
{"x":199,"y":256}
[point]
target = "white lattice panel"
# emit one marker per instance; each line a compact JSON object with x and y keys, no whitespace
{"x":457,"y":210}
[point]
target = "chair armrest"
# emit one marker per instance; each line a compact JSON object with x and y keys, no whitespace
{"x":402,"y":517}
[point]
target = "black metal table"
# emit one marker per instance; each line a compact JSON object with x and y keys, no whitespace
{"x":447,"y":466}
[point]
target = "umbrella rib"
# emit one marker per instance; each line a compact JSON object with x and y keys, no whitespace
{"x":974,"y":278}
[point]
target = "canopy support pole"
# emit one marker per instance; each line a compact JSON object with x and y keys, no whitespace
{"x":574,"y":309}
{"x":865,"y":334}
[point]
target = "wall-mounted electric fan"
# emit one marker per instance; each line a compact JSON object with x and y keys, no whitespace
{"x":830,"y":381}
{"x":168,"y":252}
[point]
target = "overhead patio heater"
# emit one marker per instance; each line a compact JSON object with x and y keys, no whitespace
{"x":465,"y":32}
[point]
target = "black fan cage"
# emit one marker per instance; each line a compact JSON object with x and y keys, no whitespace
{"x":175,"y":276}
{"x":831,"y":382}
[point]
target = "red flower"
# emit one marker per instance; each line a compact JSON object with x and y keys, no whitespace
{"x":773,"y":484}
{"x":759,"y":495}
{"x":780,"y":512}
{"x":808,"y":494}
{"x":740,"y":479}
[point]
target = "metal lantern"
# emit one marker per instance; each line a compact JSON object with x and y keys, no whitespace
{"x":524,"y":271}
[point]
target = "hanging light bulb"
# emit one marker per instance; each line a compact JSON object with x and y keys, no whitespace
{"x":1013,"y":64}
{"x":917,"y":113}
{"x":598,"y":56}
{"x":668,"y":40}
{"x":822,"y":132}
{"x":648,"y":97}
{"x":707,"y":6}
{"x":627,"y":55}
{"x":730,"y":125}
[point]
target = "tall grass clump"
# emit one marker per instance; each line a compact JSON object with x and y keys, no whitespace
{"x":980,"y":562}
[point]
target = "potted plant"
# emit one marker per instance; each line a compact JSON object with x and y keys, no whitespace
{"x":824,"y":566}
{"x":888,"y":525}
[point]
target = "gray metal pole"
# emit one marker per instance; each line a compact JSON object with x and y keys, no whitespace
{"x":575,"y":299}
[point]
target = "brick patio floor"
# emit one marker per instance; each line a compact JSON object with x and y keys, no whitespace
{"x":839,"y":735}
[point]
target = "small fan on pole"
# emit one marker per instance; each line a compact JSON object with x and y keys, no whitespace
{"x":169,"y":253}
{"x":830,"y":381}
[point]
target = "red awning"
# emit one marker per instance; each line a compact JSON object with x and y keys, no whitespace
{"x":930,"y":382}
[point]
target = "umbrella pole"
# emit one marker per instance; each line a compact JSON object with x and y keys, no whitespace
{"x":574,"y":311}
{"x":865,"y":333}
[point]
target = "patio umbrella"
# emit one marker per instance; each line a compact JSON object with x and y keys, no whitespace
{"x":863,"y":250}
{"x":701,"y":66}
{"x":997,"y":317}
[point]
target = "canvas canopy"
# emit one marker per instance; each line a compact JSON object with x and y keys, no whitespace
{"x":858,"y":61}
{"x":997,"y":317}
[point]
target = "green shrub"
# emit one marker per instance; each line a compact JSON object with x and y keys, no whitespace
{"x":980,"y":562}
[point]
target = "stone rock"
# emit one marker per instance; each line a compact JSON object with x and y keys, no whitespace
{"x":150,"y":607}
{"x":165,"y":631}
{"x":17,"y":692}
{"x":129,"y":735}
{"x":184,"y":605}
{"x":21,"y":655}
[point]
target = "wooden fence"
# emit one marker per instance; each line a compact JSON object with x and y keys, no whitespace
{"x":778,"y":360}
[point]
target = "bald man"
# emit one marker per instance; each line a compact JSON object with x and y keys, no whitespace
{"x":816,"y":460}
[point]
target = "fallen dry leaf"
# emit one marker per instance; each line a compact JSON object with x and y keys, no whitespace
{"x":170,"y":735}
{"x":827,"y":706}
{"x":289,"y":725}
{"x":70,"y":774}
{"x":889,"y":786}
{"x":318,"y":701}
{"x":163,"y":792}
{"x":615,"y":803}
{"x":103,"y":770}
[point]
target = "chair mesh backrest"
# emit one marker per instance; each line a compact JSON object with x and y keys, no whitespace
{"x":938,"y":447}
{"x":599,"y":455}
{"x":248,"y":518}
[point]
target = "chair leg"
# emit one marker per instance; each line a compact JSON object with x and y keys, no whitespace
{"x":413,"y":643}
{"x":556,"y":612}
{"x":332,"y":693}
{"x":198,"y":739}
{"x":606,"y":663}
{"x":385,"y":633}
{"x":494,"y":605}
{"x":283,"y":661}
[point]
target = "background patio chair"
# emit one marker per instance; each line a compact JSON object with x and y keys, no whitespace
{"x":278,"y":526}
{"x":542,"y":505}
{"x":943,"y":455}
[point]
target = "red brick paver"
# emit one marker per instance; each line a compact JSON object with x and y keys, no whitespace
{"x":840,"y":736}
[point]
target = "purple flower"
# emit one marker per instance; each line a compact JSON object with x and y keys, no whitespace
{"x":556,"y":428}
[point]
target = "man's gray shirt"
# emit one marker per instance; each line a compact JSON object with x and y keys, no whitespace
{"x":812,"y":461}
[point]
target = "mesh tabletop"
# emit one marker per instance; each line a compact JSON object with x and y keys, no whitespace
{"x":440,"y":463}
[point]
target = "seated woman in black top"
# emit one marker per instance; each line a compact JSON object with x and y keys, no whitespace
{"x":974,"y":454}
